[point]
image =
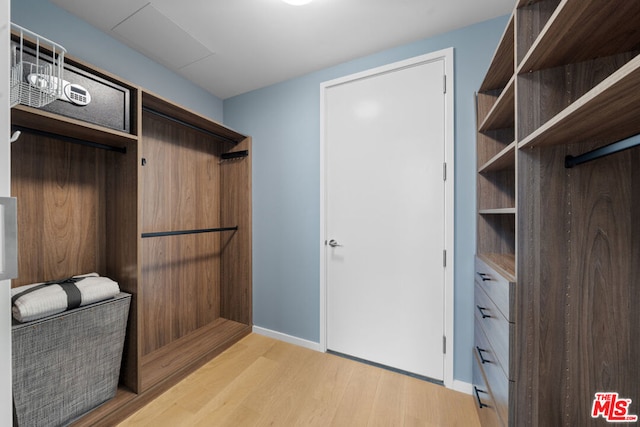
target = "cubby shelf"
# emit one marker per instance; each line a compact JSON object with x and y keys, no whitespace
{"x":607,"y":113}
{"x":502,"y":65}
{"x":501,"y":114}
{"x":583,"y":30}
{"x":504,"y":160}
{"x":557,"y":239}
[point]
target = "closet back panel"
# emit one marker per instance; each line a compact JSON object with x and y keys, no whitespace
{"x":180,"y":191}
{"x":61,"y":216}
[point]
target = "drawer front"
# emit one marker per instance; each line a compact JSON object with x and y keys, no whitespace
{"x":484,"y":401}
{"x":495,"y":327}
{"x":497,"y":381}
{"x":499,"y":289}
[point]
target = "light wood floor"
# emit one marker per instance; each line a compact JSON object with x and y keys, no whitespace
{"x":265,"y":382}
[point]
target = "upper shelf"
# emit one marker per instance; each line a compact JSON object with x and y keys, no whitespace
{"x":45,"y":121}
{"x":607,"y":113}
{"x":502,"y":64}
{"x":157,"y":104}
{"x":580,"y":30}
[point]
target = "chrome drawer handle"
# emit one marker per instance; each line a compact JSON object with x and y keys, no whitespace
{"x":480,"y":403}
{"x":481,"y":310}
{"x":484,"y":276}
{"x":482,"y":359}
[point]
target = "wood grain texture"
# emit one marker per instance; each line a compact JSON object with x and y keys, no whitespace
{"x":576,"y":328}
{"x":583,"y":30}
{"x":236,"y":269}
{"x":531,"y":18}
{"x":502,"y":113}
{"x":181,"y":191}
{"x":121,"y":246}
{"x":260,"y":381}
{"x":61,"y":222}
{"x":502,"y":64}
{"x":591,"y":101}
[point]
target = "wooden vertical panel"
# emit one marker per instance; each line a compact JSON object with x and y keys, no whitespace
{"x":157,"y":307}
{"x":601,"y":289}
{"x":121,"y":210}
{"x":530,"y":20}
{"x":236,"y":282}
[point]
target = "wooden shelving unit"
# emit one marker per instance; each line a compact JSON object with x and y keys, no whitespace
{"x":561,"y":245}
{"x":87,"y":196}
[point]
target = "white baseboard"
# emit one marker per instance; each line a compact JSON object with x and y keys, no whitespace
{"x":462,"y":387}
{"x":287,"y":338}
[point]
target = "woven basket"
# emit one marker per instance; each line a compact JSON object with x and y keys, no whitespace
{"x":67,"y":364}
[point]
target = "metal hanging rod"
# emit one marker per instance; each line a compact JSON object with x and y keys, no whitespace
{"x":122,"y":150}
{"x":189,"y":125}
{"x":234,"y":155}
{"x":180,"y":232}
{"x":616,"y":147}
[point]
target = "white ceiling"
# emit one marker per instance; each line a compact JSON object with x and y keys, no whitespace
{"x":229,"y":47}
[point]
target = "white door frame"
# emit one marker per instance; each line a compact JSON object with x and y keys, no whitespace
{"x":447,"y":56}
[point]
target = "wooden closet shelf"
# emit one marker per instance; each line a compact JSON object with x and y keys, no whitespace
{"x":583,"y":30}
{"x":501,"y":67}
{"x":609,"y":112}
{"x":504,"y":160}
{"x":502,"y":114}
{"x":155,"y":104}
{"x":497,"y":211}
{"x":44,"y":121}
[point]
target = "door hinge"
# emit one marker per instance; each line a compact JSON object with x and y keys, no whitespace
{"x":444,"y":344}
{"x":444,"y":84}
{"x":444,"y":171}
{"x":444,"y":257}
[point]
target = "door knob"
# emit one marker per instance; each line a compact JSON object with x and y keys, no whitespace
{"x":333,"y":243}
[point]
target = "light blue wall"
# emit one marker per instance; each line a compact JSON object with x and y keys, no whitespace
{"x":284,"y":121}
{"x":85,"y":42}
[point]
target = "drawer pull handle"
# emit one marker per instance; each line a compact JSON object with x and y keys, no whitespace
{"x":481,"y":310}
{"x":480,"y":403}
{"x":484,"y":276}
{"x":480,"y":351}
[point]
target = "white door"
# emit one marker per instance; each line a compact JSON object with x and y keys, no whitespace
{"x":384,"y":136}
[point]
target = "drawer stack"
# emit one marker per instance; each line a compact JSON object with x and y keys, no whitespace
{"x":493,"y":368}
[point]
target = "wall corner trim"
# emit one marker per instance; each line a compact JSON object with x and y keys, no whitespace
{"x":287,"y":338}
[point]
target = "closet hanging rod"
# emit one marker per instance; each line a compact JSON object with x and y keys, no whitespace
{"x":616,"y":147}
{"x":189,"y":125}
{"x":234,"y":155}
{"x":180,"y":232}
{"x":70,"y":139}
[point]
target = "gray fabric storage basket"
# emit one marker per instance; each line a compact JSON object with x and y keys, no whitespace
{"x":69,"y":363}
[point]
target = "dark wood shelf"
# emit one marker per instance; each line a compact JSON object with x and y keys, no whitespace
{"x":584,"y":30}
{"x":609,"y":112}
{"x":504,"y":264}
{"x":504,"y":160}
{"x":502,"y":115}
{"x":45,"y":121}
{"x":502,"y":64}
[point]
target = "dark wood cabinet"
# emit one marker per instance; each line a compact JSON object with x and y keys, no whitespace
{"x":84,"y":208}
{"x":562,"y":83}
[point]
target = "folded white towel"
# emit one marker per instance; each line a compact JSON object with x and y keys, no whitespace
{"x":52,"y":299}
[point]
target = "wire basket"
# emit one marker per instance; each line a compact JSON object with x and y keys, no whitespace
{"x":36,"y":69}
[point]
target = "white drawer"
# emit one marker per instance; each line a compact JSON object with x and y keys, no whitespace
{"x":496,"y":380}
{"x":498,"y":288}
